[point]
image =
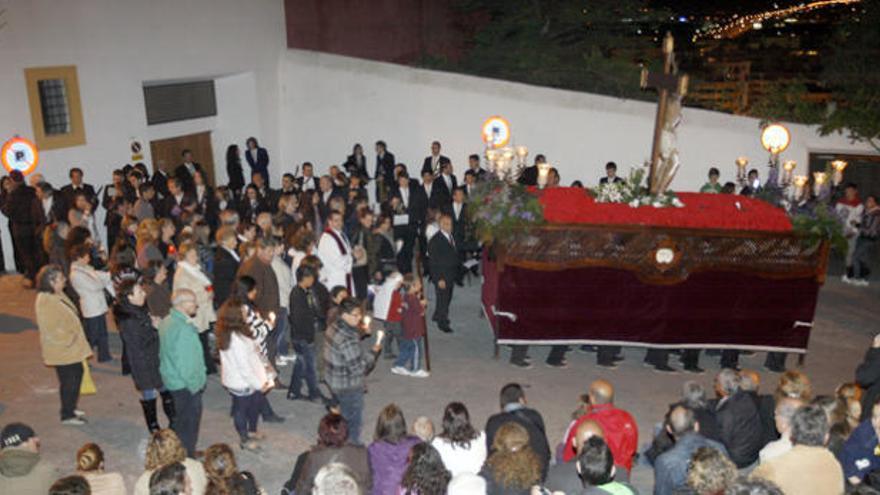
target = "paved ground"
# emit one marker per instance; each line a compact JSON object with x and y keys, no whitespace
{"x":463,"y":369}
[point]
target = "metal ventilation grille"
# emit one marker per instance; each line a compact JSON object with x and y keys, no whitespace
{"x":179,"y":101}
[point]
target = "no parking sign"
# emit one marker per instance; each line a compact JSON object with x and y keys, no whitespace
{"x":19,"y":154}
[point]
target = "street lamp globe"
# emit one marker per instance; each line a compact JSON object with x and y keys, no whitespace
{"x":775,"y":138}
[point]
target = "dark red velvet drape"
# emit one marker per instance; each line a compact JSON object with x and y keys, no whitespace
{"x":603,"y":305}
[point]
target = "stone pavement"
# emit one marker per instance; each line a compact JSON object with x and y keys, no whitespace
{"x":463,"y":369}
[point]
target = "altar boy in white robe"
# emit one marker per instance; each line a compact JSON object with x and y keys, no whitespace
{"x":335,"y":253}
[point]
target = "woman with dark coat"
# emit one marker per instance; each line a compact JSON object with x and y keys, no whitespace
{"x":331,"y":447}
{"x":233,"y":170}
{"x":141,"y":339}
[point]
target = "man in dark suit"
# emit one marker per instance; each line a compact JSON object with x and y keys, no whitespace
{"x":436,"y":196}
{"x":475,"y":168}
{"x":268,"y":196}
{"x":529,"y":175}
{"x":411,"y":201}
{"x":610,"y":174}
{"x":186,"y":170}
{"x":113,"y":202}
{"x":178,"y":202}
{"x":445,"y":266}
{"x":226,"y":263}
{"x":435,"y":161}
{"x":308,"y":181}
{"x":470,"y":182}
{"x":19,"y":209}
{"x":384,"y":171}
{"x":258,"y":159}
{"x":326,"y":193}
{"x":447,"y":183}
{"x":47,"y":209}
{"x":160,"y":180}
{"x":514,"y":410}
{"x":76,"y":184}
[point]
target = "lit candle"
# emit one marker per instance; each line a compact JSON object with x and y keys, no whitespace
{"x":819,"y":179}
{"x":543,"y":174}
{"x":741,"y":164}
{"x":839,"y":166}
{"x":800,"y":182}
{"x":788,"y":168}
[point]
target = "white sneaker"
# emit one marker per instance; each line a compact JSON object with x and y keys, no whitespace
{"x":863,"y":283}
{"x":280,"y":363}
{"x":74,"y":422}
{"x":845,"y":279}
{"x":79,"y":414}
{"x":420,"y":374}
{"x":400,"y":370}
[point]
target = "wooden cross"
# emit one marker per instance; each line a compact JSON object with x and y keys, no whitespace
{"x":669,"y":85}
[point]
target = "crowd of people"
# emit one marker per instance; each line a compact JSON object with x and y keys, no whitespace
{"x":739,"y":442}
{"x":244,"y":280}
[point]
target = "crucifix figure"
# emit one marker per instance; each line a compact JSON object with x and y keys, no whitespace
{"x":671,"y":88}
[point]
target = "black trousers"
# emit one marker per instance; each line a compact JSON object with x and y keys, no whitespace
{"x":188,"y":407}
{"x":730,"y":358}
{"x":605,"y":353}
{"x":210,"y":367}
{"x":405,"y":256}
{"x":69,"y":380}
{"x":361,"y":277}
{"x":657,"y":357}
{"x":775,"y":360}
{"x":444,"y":299}
{"x":24,"y":242}
{"x":518,"y":353}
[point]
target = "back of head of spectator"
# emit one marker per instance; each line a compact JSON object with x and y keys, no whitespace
{"x":595,"y":464}
{"x":19,"y":436}
{"x":512,"y":393}
{"x":795,"y":385}
{"x":727,"y":382}
{"x":785,"y":409}
{"x":601,"y":392}
{"x":457,"y":428}
{"x":164,"y":448}
{"x":170,"y":479}
{"x":755,"y":486}
{"x":423,"y":428}
{"x":336,"y":479}
{"x":332,"y":431}
{"x":681,"y":421}
{"x":390,"y":425}
{"x":220,"y":466}
{"x":749,"y":381}
{"x":426,"y":473}
{"x":809,"y":427}
{"x":89,"y":458}
{"x":710,"y":472}
{"x":693,"y":395}
{"x":70,"y":485}
{"x":514,"y":464}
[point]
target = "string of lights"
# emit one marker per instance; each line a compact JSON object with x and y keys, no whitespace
{"x":742,"y":24}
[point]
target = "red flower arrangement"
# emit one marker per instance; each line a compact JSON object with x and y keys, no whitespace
{"x":706,"y":211}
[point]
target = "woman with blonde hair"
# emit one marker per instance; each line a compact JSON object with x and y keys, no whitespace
{"x":148,"y":243}
{"x":189,"y":275}
{"x":90,"y":465}
{"x":513,"y":467}
{"x":794,"y":385}
{"x":165,"y":448}
{"x":851,"y":393}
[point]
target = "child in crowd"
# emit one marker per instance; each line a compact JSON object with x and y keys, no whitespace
{"x":413,"y":322}
{"x":387,"y":311}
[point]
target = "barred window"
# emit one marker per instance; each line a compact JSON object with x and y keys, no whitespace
{"x":53,"y":102}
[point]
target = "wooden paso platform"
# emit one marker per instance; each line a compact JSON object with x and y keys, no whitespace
{"x":654,"y":286}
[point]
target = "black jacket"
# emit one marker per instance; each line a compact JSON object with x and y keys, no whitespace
{"x":426,"y":164}
{"x":303,"y":315}
{"x":160,"y":183}
{"x":68,"y":193}
{"x":353,"y":165}
{"x":529,"y":176}
{"x":186,"y":178}
{"x":868,"y":377}
{"x":235,"y":174}
{"x":532,"y":421}
{"x":742,"y":433}
{"x":439,"y":198}
{"x":443,"y":259}
{"x":141,"y":344}
{"x":18,"y":207}
{"x":225,"y":269}
{"x":385,"y":168}
{"x":417,"y":206}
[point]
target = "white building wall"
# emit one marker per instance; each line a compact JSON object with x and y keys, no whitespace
{"x":331,"y":102}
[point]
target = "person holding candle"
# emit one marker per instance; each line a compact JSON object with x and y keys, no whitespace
{"x":849,"y":209}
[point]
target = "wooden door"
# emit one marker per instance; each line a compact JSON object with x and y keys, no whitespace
{"x":167,"y":153}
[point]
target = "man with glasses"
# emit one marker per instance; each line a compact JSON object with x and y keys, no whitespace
{"x":182,"y":366}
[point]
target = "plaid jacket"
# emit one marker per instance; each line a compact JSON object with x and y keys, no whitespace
{"x":345,"y":362}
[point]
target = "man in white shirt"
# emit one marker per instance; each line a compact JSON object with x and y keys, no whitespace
{"x":334,"y":251}
{"x":785,"y":409}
